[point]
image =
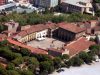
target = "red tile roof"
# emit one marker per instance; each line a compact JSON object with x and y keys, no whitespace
{"x":51,"y":25}
{"x":34,"y":28}
{"x":79,"y":45}
{"x":2,"y":37}
{"x":70,"y":27}
{"x":97,"y":28}
{"x":33,"y":50}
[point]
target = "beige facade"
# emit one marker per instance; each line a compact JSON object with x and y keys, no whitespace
{"x":27,"y":37}
{"x":41,"y":35}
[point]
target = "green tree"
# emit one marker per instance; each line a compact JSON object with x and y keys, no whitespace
{"x":3,"y":71}
{"x":18,"y":61}
{"x":2,"y":27}
{"x":76,"y":61}
{"x":57,"y":62}
{"x":42,"y":57}
{"x":96,"y":1}
{"x":46,"y":66}
{"x":3,"y":43}
{"x":25,"y":52}
{"x":58,"y":19}
{"x":65,"y":56}
{"x":32,"y":63}
{"x":10,"y":66}
{"x":85,"y":57}
{"x":27,"y":72}
{"x":13,"y":72}
{"x":95,"y":49}
{"x":98,"y":13}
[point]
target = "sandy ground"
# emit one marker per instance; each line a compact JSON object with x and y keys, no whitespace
{"x":93,"y":69}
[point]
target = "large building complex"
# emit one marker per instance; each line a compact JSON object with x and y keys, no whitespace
{"x":73,"y":37}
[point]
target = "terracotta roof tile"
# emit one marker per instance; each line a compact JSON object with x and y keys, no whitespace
{"x":79,"y":45}
{"x":34,"y":28}
{"x":33,"y":50}
{"x":71,"y":27}
{"x":97,"y":28}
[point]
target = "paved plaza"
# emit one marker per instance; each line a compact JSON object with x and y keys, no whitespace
{"x":47,"y":43}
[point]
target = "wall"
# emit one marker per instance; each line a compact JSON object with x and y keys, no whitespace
{"x":2,"y":2}
{"x":41,"y":35}
{"x":80,"y":34}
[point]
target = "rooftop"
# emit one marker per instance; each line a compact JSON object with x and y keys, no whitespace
{"x":71,"y":27}
{"x":33,"y":50}
{"x":97,"y":28}
{"x":35,"y":28}
{"x":79,"y":45}
{"x":80,"y":3}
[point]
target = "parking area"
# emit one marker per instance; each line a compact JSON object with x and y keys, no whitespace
{"x":47,"y":43}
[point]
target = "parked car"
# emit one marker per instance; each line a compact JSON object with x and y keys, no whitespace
{"x":60,"y":70}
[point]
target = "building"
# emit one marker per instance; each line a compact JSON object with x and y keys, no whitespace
{"x":81,"y":44}
{"x":8,"y":7}
{"x":73,"y":48}
{"x":2,"y":2}
{"x":46,"y":3}
{"x":62,"y":31}
{"x":12,"y":27}
{"x":77,"y":6}
{"x":89,"y":26}
{"x":37,"y":32}
{"x":96,"y":30}
{"x":68,"y":32}
{"x":98,"y":39}
{"x":32,"y":50}
{"x":56,"y":52}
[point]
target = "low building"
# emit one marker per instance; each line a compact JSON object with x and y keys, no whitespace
{"x":57,"y":52}
{"x":77,"y":6}
{"x":88,"y":25}
{"x":73,"y":48}
{"x":68,"y":32}
{"x":25,"y":27}
{"x":12,"y":27}
{"x":37,"y":32}
{"x":31,"y":49}
{"x":81,"y":44}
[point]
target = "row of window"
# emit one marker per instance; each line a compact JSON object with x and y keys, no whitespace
{"x":74,"y":7}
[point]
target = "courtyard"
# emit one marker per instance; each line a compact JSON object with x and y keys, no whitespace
{"x":47,"y":43}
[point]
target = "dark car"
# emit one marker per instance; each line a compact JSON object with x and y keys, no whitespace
{"x":60,"y":70}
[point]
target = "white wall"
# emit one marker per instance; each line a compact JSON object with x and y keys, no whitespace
{"x":41,"y":35}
